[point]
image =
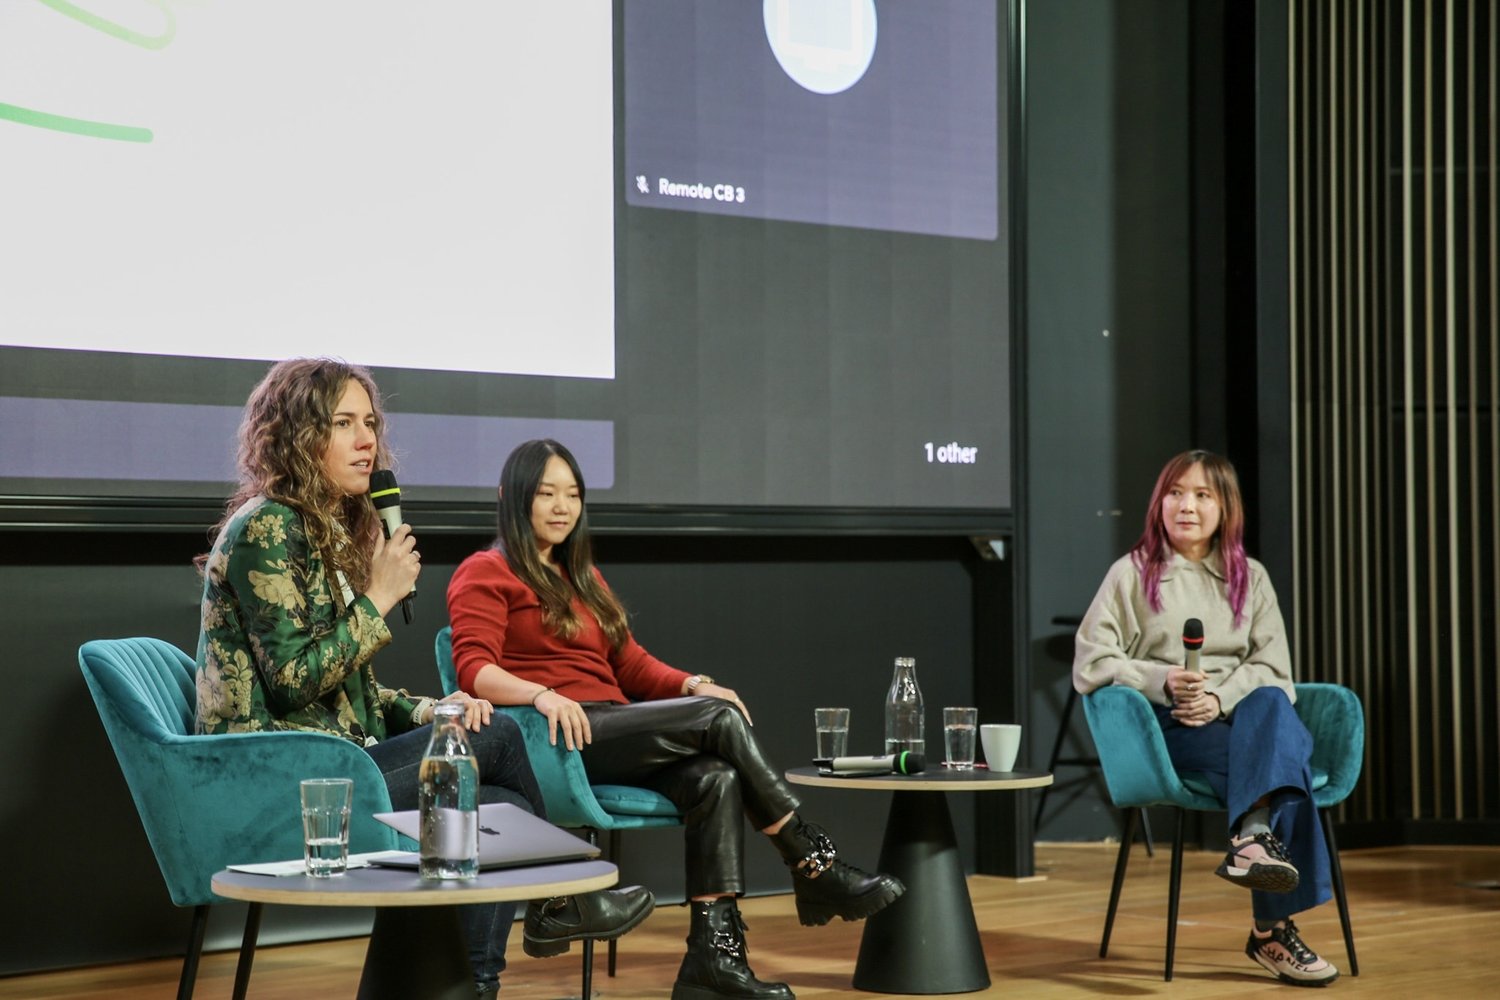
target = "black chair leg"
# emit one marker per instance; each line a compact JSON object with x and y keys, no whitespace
{"x":588,"y":969}
{"x":247,"y":951}
{"x":588,"y":944}
{"x":614,"y":856}
{"x":194,"y":949}
{"x":1121,"y":860}
{"x":1336,"y":871}
{"x":1175,"y":891}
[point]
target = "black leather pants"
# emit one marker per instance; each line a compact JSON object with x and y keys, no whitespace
{"x":704,"y":756}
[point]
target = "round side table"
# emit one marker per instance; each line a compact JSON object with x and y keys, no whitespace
{"x":416,"y":947}
{"x":926,"y":941}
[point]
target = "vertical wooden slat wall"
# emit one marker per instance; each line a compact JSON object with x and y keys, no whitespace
{"x":1395,"y":372}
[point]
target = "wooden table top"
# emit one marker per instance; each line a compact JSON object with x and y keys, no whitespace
{"x":941,"y":779}
{"x":376,"y":886}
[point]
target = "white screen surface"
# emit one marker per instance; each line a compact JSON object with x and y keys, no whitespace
{"x":405,"y":185}
{"x":771,"y":361}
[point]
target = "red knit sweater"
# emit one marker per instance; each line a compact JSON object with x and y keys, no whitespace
{"x":497,"y":619}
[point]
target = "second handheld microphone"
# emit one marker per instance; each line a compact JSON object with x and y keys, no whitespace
{"x":1192,"y":642}
{"x":386,"y":496}
{"x":904,"y":762}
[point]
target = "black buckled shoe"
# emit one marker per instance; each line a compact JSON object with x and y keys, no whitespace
{"x":826,"y":887}
{"x":553,"y":924}
{"x":715,"y":965}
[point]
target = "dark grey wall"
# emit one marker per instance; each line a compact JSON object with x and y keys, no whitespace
{"x":790,"y":623}
{"x":1108,"y":347}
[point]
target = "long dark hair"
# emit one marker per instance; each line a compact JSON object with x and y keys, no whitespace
{"x":1153,"y":551}
{"x":285,"y":430}
{"x":519,"y":480}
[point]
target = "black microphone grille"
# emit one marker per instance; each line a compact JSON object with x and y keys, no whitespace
{"x":383,"y":489}
{"x":1192,"y":633}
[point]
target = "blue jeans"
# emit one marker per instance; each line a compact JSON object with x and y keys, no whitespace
{"x":1261,"y":751}
{"x":504,"y":776}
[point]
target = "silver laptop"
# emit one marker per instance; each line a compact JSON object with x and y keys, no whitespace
{"x":509,"y":837}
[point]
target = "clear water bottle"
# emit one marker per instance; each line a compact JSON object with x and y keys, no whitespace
{"x":903,"y":710}
{"x":448,"y":798}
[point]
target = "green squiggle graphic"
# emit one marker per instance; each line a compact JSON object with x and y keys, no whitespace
{"x":78,"y":126}
{"x":119,"y":31}
{"x":82,"y":126}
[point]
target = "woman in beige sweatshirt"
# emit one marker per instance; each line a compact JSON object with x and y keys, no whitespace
{"x":1231,"y":720}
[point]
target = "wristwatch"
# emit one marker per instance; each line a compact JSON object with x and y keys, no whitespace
{"x":695,"y":680}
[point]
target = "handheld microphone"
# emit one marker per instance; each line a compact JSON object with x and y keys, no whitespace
{"x":904,"y":762}
{"x":386,"y":496}
{"x":1192,"y":642}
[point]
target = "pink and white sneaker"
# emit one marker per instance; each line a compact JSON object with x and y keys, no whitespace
{"x":1282,"y":953}
{"x":1258,"y":862}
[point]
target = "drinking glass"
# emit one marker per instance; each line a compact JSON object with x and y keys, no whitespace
{"x":325,"y":825}
{"x":959,"y":729}
{"x":833,"y":732}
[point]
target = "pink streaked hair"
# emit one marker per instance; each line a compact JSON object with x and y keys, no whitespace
{"x":1153,"y":551}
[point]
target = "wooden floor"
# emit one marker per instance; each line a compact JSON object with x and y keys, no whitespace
{"x":1424,"y":923}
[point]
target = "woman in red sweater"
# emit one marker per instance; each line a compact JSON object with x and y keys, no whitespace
{"x":534,"y":624}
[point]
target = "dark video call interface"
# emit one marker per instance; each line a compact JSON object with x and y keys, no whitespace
{"x":881,"y":116}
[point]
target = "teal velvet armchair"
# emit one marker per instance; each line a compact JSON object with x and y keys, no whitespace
{"x":1139,"y":774}
{"x":570,"y":798}
{"x":210,"y":801}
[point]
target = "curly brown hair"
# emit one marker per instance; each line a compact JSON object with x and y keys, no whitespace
{"x":286,"y":428}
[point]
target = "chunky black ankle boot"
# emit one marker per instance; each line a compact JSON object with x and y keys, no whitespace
{"x":826,"y":887}
{"x":715,"y":965}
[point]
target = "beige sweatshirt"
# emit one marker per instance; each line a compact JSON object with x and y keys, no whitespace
{"x":1122,"y":641}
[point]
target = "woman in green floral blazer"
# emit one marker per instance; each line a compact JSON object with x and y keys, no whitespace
{"x":295,"y":593}
{"x":267,"y":600}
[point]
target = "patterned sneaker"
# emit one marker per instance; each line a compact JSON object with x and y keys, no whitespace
{"x":1284,"y":955}
{"x":1258,"y":862}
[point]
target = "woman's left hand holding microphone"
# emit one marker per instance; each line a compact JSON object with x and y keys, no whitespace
{"x":394,"y":567}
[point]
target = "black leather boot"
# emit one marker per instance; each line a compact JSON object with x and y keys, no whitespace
{"x":553,"y":924}
{"x":826,"y":887}
{"x":715,"y":965}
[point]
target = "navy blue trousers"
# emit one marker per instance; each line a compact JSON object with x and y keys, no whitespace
{"x":1261,"y":751}
{"x":505,"y":775}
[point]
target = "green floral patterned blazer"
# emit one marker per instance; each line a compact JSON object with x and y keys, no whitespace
{"x":283,"y":648}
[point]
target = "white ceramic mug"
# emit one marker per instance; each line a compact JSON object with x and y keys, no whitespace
{"x":1002,"y":742}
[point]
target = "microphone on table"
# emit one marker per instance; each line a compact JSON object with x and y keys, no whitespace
{"x":1192,"y":642}
{"x":904,"y":762}
{"x":386,"y":496}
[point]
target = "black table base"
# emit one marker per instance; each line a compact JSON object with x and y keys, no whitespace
{"x":416,"y":951}
{"x":927,"y":941}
